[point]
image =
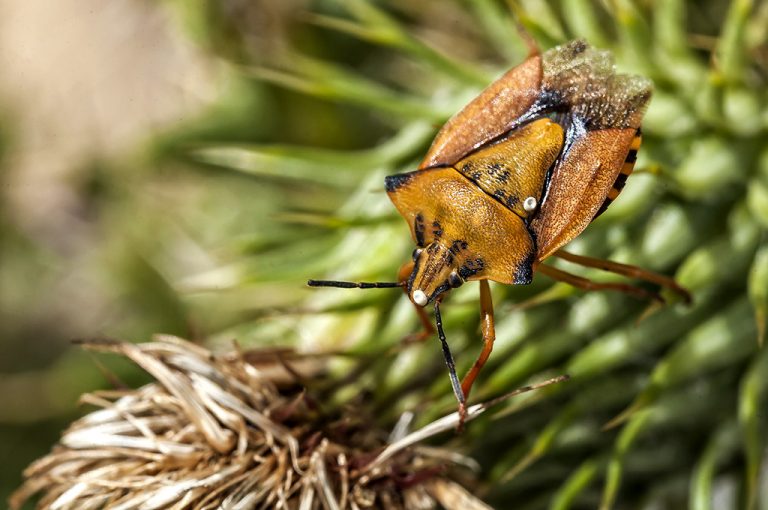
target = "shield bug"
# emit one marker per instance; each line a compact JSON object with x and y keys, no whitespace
{"x":522,"y":170}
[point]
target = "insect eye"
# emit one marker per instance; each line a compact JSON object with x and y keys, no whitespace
{"x":454,"y":280}
{"x":416,"y":253}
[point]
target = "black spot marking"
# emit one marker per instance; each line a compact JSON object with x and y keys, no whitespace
{"x":603,"y":207}
{"x":618,"y":185}
{"x":418,"y":229}
{"x":476,"y":176}
{"x":498,"y":172}
{"x":395,"y":182}
{"x":621,"y":180}
{"x":471,"y":267}
{"x":631,"y":156}
{"x":457,"y":246}
{"x":509,"y":201}
{"x":523,"y":274}
{"x":467,"y":167}
{"x":437,"y":230}
{"x":495,"y":169}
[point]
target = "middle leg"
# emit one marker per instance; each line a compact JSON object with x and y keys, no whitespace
{"x":587,"y":284}
{"x":626,"y":270}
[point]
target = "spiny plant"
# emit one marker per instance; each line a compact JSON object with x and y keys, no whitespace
{"x":237,"y":430}
{"x":663,"y":408}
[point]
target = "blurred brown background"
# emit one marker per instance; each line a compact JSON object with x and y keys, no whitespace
{"x":82,"y":82}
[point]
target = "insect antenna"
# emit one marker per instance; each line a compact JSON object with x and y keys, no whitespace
{"x":449,"y":359}
{"x":354,"y":285}
{"x":517,"y":16}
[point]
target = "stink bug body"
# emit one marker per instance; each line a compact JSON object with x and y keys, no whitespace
{"x":514,"y":176}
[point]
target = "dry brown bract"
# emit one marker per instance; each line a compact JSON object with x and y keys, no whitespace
{"x":218,"y":432}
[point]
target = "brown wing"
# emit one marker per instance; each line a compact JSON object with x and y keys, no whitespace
{"x":491,"y":114}
{"x":624,"y":173}
{"x":602,"y":111}
{"x":580,"y":184}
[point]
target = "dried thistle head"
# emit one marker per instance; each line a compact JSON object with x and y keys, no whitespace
{"x":234,"y":431}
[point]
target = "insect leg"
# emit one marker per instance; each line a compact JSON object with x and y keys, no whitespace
{"x":489,"y":335}
{"x":405,"y":272}
{"x":427,"y":328}
{"x":587,"y":284}
{"x":626,"y":270}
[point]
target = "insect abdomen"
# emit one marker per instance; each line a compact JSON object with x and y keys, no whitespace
{"x":626,"y":171}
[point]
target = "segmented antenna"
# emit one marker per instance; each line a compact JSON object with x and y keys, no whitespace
{"x":354,"y":285}
{"x":448,"y":357}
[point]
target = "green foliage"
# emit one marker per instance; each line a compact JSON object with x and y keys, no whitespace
{"x":674,"y":378}
{"x":283,"y":181}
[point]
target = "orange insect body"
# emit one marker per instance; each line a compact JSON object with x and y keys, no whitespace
{"x":518,"y":173}
{"x":521,"y":170}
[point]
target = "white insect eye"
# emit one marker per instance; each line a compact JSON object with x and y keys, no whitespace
{"x":529,"y":204}
{"x":419,"y":297}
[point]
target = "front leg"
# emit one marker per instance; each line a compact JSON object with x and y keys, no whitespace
{"x":489,"y":336}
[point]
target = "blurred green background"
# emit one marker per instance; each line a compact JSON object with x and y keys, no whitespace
{"x":184,"y":167}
